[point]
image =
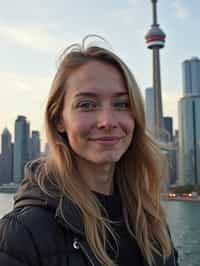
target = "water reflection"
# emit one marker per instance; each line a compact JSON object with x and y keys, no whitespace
{"x":184,"y":221}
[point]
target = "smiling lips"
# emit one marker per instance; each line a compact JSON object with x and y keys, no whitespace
{"x":107,"y":140}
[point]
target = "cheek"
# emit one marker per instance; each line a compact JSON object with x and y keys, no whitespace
{"x":128,"y":125}
{"x":78,"y":128}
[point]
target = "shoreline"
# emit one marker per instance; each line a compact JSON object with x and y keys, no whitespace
{"x":9,"y":189}
{"x":183,"y":199}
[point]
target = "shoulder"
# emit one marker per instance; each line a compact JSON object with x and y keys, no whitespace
{"x":16,"y":243}
{"x":43,"y":226}
{"x":25,"y":232}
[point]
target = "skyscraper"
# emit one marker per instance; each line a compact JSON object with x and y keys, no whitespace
{"x":34,"y":148}
{"x":189,"y":140}
{"x":46,"y":150}
{"x":6,"y":171}
{"x":172,"y":165}
{"x":155,"y":40}
{"x":168,"y":125}
{"x":149,"y":108}
{"x":191,"y":76}
{"x":21,"y":153}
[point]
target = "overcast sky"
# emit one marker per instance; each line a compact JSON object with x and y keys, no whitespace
{"x":34,"y":33}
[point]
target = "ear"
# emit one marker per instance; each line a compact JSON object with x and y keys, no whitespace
{"x":60,"y":126}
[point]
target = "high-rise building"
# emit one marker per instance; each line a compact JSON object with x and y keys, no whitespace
{"x":173,"y":169}
{"x":176,"y":146}
{"x":170,"y":168}
{"x":191,"y":76}
{"x":34,"y":145}
{"x":176,"y":136}
{"x":46,"y":150}
{"x":189,"y":140}
{"x":1,"y":171}
{"x":149,"y":108}
{"x":21,"y":152}
{"x":168,"y":126}
{"x":6,"y":170}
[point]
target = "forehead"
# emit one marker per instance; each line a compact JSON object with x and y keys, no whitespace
{"x":98,"y":77}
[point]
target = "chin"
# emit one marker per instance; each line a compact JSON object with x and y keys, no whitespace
{"x":107,"y":160}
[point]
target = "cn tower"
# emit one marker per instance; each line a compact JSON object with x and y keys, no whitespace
{"x":155,"y":40}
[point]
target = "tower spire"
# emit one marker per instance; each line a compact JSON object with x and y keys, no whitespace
{"x":154,"y":3}
{"x":155,"y":39}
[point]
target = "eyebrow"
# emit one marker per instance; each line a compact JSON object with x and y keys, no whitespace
{"x":95,"y":95}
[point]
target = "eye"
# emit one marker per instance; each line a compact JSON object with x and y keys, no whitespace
{"x":87,"y":105}
{"x":122,"y":105}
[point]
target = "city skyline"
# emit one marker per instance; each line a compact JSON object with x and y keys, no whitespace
{"x":32,"y":41}
{"x":27,"y":147}
{"x":14,"y":155}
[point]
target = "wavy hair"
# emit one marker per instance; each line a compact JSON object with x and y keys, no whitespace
{"x":138,"y":174}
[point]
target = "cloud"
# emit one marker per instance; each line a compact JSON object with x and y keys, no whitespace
{"x":22,"y":94}
{"x":32,"y":36}
{"x":181,"y":11}
{"x":14,"y":84}
{"x":132,"y":13}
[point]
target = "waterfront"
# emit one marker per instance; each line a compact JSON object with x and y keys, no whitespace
{"x":184,"y":221}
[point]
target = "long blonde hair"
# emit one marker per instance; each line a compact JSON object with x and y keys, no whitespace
{"x":137,"y":176}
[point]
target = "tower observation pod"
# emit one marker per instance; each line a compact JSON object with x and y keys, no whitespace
{"x":155,"y":40}
{"x":155,"y":37}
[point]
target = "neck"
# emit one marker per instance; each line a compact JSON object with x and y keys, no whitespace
{"x":99,"y":178}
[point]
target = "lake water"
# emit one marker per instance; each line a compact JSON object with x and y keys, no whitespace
{"x":184,"y":221}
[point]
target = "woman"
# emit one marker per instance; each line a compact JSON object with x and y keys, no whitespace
{"x":95,"y":200}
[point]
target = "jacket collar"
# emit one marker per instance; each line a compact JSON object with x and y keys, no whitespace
{"x":69,"y":215}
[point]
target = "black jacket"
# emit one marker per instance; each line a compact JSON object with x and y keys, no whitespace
{"x":35,"y":234}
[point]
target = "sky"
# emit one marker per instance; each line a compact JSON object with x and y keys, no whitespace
{"x":34,"y":33}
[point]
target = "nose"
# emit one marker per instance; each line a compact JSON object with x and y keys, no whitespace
{"x":106,"y":119}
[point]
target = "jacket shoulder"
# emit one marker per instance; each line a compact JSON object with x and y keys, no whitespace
{"x":44,"y":228}
{"x":17,"y":246}
{"x":34,"y":227}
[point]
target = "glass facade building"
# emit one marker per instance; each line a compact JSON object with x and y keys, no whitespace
{"x":168,"y":126}
{"x":6,"y":168}
{"x":189,"y":140}
{"x":34,"y":145}
{"x":21,"y":147}
{"x":191,"y":76}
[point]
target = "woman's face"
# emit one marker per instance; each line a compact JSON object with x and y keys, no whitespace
{"x":96,"y":115}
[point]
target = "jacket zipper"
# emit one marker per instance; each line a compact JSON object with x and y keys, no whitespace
{"x":91,"y":262}
{"x":84,"y":251}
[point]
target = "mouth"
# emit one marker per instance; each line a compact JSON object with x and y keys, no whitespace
{"x":107,"y":140}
